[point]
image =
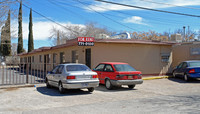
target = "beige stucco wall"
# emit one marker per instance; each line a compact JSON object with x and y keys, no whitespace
{"x":143,"y":57}
{"x":182,"y":53}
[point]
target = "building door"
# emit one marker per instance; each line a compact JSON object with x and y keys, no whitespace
{"x":88,"y":57}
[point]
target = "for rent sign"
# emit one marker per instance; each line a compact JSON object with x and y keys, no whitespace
{"x":86,"y":41}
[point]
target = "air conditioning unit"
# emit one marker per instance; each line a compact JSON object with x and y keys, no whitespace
{"x":176,"y":38}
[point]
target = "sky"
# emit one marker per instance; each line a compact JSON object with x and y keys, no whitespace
{"x":113,"y":17}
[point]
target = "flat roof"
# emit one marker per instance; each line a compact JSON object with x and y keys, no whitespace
{"x":74,"y":42}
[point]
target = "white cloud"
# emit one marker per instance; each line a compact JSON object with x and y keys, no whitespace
{"x":135,"y":20}
{"x":41,"y":29}
{"x":102,"y":7}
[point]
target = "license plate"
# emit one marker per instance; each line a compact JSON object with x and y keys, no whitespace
{"x":130,"y":77}
{"x":84,"y":84}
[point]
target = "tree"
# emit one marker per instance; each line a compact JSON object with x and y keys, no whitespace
{"x":188,"y":36}
{"x":74,"y":31}
{"x":5,"y":6}
{"x":20,"y":35}
{"x":30,"y":36}
{"x":6,"y":38}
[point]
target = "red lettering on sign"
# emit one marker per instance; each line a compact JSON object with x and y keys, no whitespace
{"x":85,"y":39}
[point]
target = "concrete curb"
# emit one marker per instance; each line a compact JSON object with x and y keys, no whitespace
{"x":33,"y":85}
{"x":17,"y":86}
{"x":156,"y":77}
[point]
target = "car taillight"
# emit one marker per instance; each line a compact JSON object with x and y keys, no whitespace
{"x":71,"y":77}
{"x":192,"y":71}
{"x":95,"y":76}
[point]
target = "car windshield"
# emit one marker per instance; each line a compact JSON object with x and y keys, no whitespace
{"x":77,"y":68}
{"x":123,"y":67}
{"x":194,"y":64}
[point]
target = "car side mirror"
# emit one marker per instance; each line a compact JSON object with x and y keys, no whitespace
{"x":50,"y":72}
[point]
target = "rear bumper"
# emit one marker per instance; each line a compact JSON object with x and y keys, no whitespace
{"x":195,"y":75}
{"x":80,"y":85}
{"x":126,"y":82}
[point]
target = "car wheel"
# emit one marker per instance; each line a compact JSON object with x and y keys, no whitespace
{"x":47,"y":83}
{"x":186,"y":78}
{"x":91,"y":89}
{"x":60,"y":87}
{"x":108,"y":84}
{"x":131,"y":86}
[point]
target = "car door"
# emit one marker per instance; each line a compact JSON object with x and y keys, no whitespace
{"x":58,"y":75}
{"x":99,"y":70}
{"x":183,"y":69}
{"x":108,"y":72}
{"x":52,"y":75}
{"x":177,"y":71}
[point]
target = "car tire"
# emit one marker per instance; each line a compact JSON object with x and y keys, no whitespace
{"x":108,"y":84}
{"x":91,"y":89}
{"x":131,"y":86}
{"x":47,"y":83}
{"x":60,"y":88}
{"x":186,"y":78}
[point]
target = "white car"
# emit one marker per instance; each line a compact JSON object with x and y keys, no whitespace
{"x":72,"y":76}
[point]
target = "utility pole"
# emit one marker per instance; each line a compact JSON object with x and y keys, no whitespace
{"x":58,"y":38}
{"x":184,"y":33}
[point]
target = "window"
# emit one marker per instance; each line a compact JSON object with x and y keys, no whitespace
{"x":165,"y":57}
{"x":180,"y":65}
{"x":123,"y":67}
{"x":48,"y":57}
{"x":54,"y":58}
{"x":60,"y":69}
{"x":55,"y":70}
{"x":32,"y":58}
{"x":184,"y":65}
{"x":62,"y":56}
{"x":25,"y":60}
{"x":100,"y":67}
{"x":195,"y":51}
{"x":108,"y":68}
{"x":40,"y":57}
{"x":21,"y":60}
{"x":77,"y":68}
{"x":194,"y":64}
{"x":74,"y":57}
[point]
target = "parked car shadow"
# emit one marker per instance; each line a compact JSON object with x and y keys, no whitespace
{"x":180,"y":80}
{"x":115,"y":89}
{"x":54,"y":91}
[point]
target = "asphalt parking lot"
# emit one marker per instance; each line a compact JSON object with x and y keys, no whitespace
{"x":153,"y":96}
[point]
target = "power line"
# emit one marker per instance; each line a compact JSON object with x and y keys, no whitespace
{"x":139,"y":7}
{"x":48,"y":18}
{"x":73,"y":12}
{"x":106,"y":16}
{"x":169,"y":21}
{"x":169,"y":4}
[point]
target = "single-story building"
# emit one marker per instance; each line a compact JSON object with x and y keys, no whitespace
{"x":150,"y":57}
{"x":185,"y":51}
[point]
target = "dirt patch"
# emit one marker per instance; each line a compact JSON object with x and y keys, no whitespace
{"x":11,"y":89}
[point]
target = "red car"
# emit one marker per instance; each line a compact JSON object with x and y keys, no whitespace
{"x":117,"y":74}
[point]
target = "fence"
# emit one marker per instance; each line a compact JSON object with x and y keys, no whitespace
{"x":23,"y":73}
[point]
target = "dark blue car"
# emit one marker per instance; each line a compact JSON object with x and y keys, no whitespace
{"x":188,"y":70}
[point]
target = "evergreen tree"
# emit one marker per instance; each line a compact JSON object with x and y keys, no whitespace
{"x":2,"y":39}
{"x":30,"y":35}
{"x":20,"y":35}
{"x":6,"y":38}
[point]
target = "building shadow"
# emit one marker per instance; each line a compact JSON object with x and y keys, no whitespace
{"x":181,"y":80}
{"x":54,"y":91}
{"x":102,"y":88}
